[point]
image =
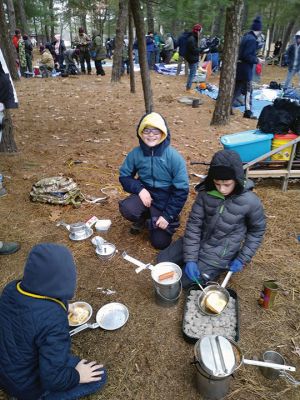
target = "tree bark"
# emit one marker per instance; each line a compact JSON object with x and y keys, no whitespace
{"x":287,"y":35}
{"x":145,"y":74}
{"x":150,"y":17}
{"x":22,"y":16}
{"x":6,"y":45}
{"x":7,"y":144}
{"x":216,"y":28}
{"x":130,"y":46}
{"x":234,"y":16}
{"x":52,"y":19}
{"x":120,"y":30}
{"x":11,"y":16}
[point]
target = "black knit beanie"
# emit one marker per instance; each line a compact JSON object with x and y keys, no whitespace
{"x":221,"y":172}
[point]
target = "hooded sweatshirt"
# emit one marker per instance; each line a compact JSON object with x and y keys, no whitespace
{"x":220,"y":229}
{"x":160,"y":169}
{"x":34,"y":330}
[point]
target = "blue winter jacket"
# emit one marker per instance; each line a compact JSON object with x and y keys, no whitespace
{"x":182,"y":43}
{"x":247,"y":57}
{"x":160,"y":169}
{"x":34,"y":331}
{"x":291,"y":57}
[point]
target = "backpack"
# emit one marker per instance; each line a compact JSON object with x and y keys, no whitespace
{"x":56,"y":190}
{"x":272,"y":120}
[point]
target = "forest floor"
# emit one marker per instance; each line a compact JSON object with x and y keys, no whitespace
{"x":86,"y":118}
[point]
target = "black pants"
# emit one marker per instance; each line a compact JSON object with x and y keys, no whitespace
{"x":244,"y":88}
{"x":99,"y":68}
{"x":134,"y":210}
{"x":84,"y":56}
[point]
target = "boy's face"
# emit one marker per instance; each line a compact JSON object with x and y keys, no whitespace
{"x":151,"y":136}
{"x":225,"y":187}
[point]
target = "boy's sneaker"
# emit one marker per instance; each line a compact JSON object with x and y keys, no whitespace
{"x":137,"y":228}
{"x":9,"y":247}
{"x":249,"y":114}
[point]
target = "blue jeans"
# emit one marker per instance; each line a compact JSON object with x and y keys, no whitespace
{"x":81,"y":390}
{"x":192,"y":74}
{"x":289,"y":77}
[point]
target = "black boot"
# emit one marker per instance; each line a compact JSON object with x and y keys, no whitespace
{"x":249,"y":114}
{"x":137,"y":227}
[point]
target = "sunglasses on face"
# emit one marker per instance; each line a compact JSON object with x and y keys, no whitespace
{"x":154,"y":131}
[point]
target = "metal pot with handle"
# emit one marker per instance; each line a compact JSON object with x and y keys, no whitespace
{"x":220,"y":357}
{"x":214,"y":298}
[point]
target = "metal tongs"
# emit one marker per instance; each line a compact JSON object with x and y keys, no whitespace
{"x":140,"y":264}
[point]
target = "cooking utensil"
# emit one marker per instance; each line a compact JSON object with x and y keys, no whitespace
{"x":214,"y":294}
{"x":140,"y":264}
{"x":221,"y":357}
{"x":78,"y":230}
{"x":85,"y":305}
{"x":198,"y":283}
{"x":110,"y":317}
{"x":106,"y":251}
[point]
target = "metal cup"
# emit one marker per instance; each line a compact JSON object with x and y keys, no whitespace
{"x":273,"y":357}
{"x":268,"y":294}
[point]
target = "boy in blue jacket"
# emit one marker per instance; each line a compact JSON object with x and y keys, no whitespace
{"x":155,"y":174}
{"x":35,"y":362}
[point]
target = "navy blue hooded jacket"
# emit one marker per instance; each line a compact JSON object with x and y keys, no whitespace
{"x":34,"y":330}
{"x":159,"y":169}
{"x":247,"y":57}
{"x":182,"y":43}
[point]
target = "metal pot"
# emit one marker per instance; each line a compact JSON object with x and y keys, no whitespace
{"x":219,"y":292}
{"x":220,"y":357}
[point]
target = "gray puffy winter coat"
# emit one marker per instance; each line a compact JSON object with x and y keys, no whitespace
{"x":220,"y":228}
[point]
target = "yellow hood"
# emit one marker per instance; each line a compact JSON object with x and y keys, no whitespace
{"x":153,"y":120}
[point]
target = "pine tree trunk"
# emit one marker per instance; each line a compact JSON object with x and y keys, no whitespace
{"x":52,"y":19}
{"x":145,"y":74}
{"x":150,"y":17}
{"x":130,"y":46}
{"x":216,"y":28}
{"x":9,"y":52}
{"x":11,"y":16}
{"x":287,"y":35}
{"x":120,"y":30}
{"x":234,"y":16}
{"x":22,"y":16}
{"x":7,"y":144}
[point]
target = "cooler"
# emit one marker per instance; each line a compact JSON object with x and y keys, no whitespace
{"x":248,"y":144}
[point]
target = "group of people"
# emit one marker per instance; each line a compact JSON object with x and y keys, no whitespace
{"x":223,"y":232}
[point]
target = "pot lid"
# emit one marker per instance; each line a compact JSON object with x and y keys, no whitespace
{"x":216,"y":355}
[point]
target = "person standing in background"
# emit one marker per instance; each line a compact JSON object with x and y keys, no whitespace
{"x":293,"y":56}
{"x":83,"y":42}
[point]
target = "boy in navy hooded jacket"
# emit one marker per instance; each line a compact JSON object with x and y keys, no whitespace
{"x":35,"y":362}
{"x":155,"y":174}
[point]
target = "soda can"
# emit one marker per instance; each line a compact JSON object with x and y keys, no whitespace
{"x":268,"y":294}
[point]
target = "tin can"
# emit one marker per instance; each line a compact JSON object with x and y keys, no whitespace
{"x":268,"y":294}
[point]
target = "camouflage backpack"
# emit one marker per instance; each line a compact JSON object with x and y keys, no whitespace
{"x":57,"y":190}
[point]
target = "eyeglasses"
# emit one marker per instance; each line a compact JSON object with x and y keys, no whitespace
{"x":154,"y":131}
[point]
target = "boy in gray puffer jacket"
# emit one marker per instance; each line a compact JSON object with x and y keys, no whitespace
{"x":226,"y":224}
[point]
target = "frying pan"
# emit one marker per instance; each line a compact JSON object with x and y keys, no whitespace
{"x":217,"y":290}
{"x":110,"y":317}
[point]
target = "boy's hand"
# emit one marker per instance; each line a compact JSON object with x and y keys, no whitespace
{"x":146,"y":198}
{"x":162,"y":223}
{"x":192,"y":270}
{"x":89,"y":371}
{"x":236,"y":265}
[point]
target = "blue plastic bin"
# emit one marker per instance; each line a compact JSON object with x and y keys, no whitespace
{"x":249,"y":144}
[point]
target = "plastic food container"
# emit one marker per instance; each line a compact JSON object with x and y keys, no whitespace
{"x":248,"y":144}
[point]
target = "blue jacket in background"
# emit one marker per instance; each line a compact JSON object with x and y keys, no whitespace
{"x":34,"y":332}
{"x":182,"y":43}
{"x":162,"y":171}
{"x":291,"y":57}
{"x":247,"y":57}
